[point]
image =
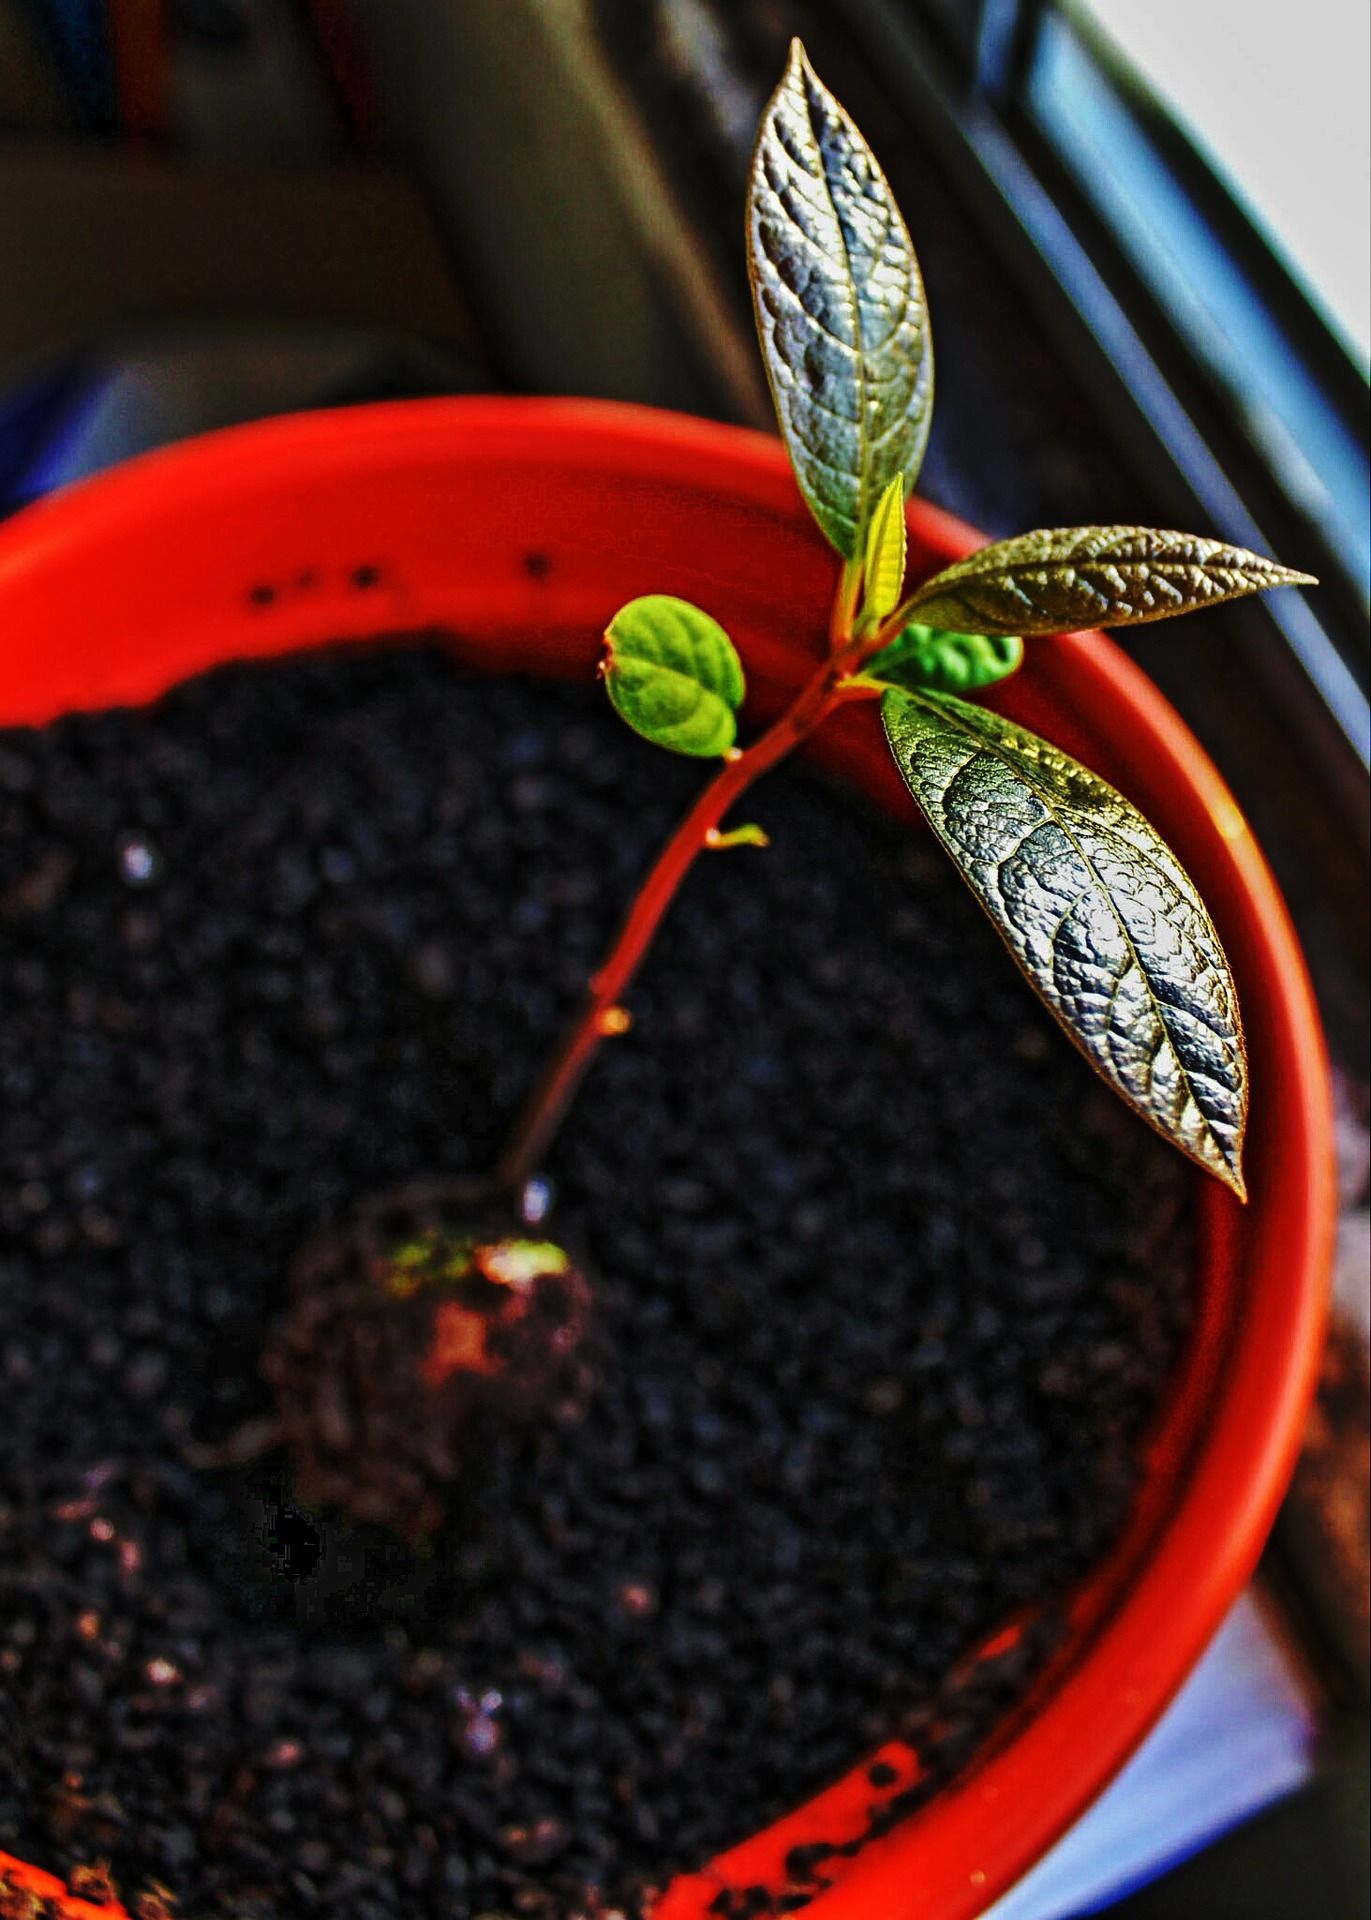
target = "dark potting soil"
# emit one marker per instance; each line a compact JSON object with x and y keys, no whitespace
{"x":886,"y":1286}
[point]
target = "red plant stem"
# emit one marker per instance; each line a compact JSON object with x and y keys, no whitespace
{"x":542,"y":1114}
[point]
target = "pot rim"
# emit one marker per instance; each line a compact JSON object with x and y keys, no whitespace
{"x":1182,"y":1567}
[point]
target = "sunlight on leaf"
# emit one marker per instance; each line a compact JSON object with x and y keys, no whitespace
{"x":840,"y":307}
{"x":886,"y":546}
{"x":1062,"y":579}
{"x":1096,"y":910}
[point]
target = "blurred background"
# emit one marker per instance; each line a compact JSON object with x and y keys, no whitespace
{"x":1144,"y":227}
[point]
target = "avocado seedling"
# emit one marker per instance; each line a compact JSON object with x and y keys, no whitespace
{"x":406,"y":1311}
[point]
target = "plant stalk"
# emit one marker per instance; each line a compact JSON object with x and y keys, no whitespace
{"x":601,"y":1013}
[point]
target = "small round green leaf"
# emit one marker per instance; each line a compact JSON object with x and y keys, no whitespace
{"x":946,"y":662}
{"x":674,"y":675}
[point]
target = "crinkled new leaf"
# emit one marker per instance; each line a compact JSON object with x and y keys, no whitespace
{"x":946,"y":662}
{"x":674,"y":675}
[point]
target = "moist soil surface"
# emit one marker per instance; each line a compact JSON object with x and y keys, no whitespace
{"x":886,"y":1288}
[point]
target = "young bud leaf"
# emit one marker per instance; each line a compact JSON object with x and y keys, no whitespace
{"x":886,"y":542}
{"x":840,"y":307}
{"x":946,"y":662}
{"x":674,"y":675}
{"x":1060,"y":580}
{"x":749,"y":835}
{"x":1096,"y":910}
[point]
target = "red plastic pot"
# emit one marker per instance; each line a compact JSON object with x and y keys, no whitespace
{"x":520,"y":525}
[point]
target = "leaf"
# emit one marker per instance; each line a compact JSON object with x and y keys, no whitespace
{"x":1062,"y":579}
{"x":674,"y":675}
{"x":1096,"y":910}
{"x":840,"y":307}
{"x":886,"y":546}
{"x":946,"y":662}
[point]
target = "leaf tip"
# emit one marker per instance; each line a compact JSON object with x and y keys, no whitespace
{"x":1228,"y":1166}
{"x":1229,"y":1174}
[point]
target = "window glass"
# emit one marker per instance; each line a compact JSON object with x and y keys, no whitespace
{"x":1277,"y":96}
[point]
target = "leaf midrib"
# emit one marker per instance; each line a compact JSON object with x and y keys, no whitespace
{"x":855,"y":306}
{"x":656,"y":667}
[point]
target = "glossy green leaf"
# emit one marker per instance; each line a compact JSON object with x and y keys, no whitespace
{"x":840,"y":307}
{"x":1096,"y":910}
{"x":1061,"y":580}
{"x":886,"y":546}
{"x":674,"y":675}
{"x":946,"y":662}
